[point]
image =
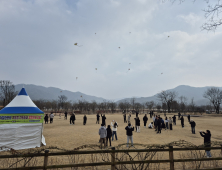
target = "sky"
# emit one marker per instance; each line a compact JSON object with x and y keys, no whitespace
{"x":161,"y":45}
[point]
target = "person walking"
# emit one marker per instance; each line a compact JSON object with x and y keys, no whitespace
{"x":174,"y":119}
{"x":207,"y":141}
{"x":192,"y":124}
{"x":84,"y":120}
{"x":46,"y":118}
{"x":182,"y":121}
{"x":65,"y":117}
{"x":109,"y":134}
{"x":166,"y":122}
{"x":72,"y":119}
{"x":124,"y":117}
{"x":114,"y":125}
{"x":138,"y":124}
{"x":188,"y":117}
{"x":129,"y":118}
{"x":145,"y":119}
{"x":171,"y":123}
{"x":51,"y":117}
{"x":103,"y":134}
{"x":129,"y":132}
{"x":97,"y":118}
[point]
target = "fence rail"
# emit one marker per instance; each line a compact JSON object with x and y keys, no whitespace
{"x":113,"y":162}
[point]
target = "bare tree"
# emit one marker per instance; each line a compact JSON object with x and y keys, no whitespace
{"x":192,"y":105}
{"x":212,"y":13}
{"x":112,"y":106}
{"x":7,"y":91}
{"x":62,"y":100}
{"x":214,"y":95}
{"x":182,"y":103}
{"x":132,"y":101}
{"x":150,"y":105}
{"x":167,"y":97}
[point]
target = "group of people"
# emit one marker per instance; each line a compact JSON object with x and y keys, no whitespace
{"x":46,"y":118}
{"x":107,"y":133}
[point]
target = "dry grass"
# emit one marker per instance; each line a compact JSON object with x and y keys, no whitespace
{"x":63,"y":135}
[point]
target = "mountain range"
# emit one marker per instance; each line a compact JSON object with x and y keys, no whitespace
{"x":52,"y":93}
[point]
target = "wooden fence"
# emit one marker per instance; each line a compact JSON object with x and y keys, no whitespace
{"x":113,"y":161}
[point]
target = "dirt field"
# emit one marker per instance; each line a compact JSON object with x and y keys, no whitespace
{"x":63,"y":135}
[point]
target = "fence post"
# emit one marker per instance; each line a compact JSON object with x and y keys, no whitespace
{"x":113,"y":159}
{"x":171,"y":158}
{"x":46,"y":159}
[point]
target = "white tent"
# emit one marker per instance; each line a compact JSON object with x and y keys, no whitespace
{"x":21,"y":123}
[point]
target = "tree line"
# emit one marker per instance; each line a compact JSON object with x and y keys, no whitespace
{"x":168,"y":101}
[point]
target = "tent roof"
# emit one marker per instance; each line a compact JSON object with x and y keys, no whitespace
{"x":21,"y":104}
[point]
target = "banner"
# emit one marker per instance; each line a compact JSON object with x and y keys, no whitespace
{"x":21,"y":118}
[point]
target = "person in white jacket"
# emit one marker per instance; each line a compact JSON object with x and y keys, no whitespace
{"x":114,"y":125}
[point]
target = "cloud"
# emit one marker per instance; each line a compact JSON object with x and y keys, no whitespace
{"x":37,"y":46}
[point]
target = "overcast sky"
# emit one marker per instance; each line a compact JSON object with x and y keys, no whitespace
{"x":37,"y":46}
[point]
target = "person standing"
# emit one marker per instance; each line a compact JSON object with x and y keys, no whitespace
{"x":109,"y":134}
{"x":137,"y":114}
{"x":97,"y":118}
{"x":207,"y":141}
{"x":72,"y":119}
{"x":188,"y":117}
{"x":145,"y":119}
{"x":154,"y":119}
{"x":84,"y":120}
{"x":129,"y":132}
{"x":138,"y":124}
{"x":65,"y":118}
{"x":103,"y":119}
{"x":171,"y":124}
{"x":166,"y":122}
{"x":135,"y":124}
{"x":159,"y":125}
{"x":129,"y":118}
{"x":114,"y":125}
{"x":179,"y":116}
{"x":174,"y":120}
{"x":103,"y":134}
{"x":124,"y":117}
{"x":46,"y":118}
{"x":163,"y":124}
{"x":51,"y":117}
{"x":182,"y":121}
{"x":192,"y":124}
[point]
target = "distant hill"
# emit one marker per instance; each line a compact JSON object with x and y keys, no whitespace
{"x":183,"y":90}
{"x":51,"y":93}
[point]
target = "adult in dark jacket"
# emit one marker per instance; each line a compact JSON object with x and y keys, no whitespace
{"x":72,"y":119}
{"x":155,"y":123}
{"x":159,"y":125}
{"x":109,"y":135}
{"x":97,"y":118}
{"x":124,"y":117}
{"x":137,"y":114}
{"x":46,"y":118}
{"x":135,"y":124}
{"x":65,"y":115}
{"x":145,"y":119}
{"x":150,"y":114}
{"x":103,"y":119}
{"x":84,"y":120}
{"x":174,"y":120}
{"x":188,"y":117}
{"x":207,"y":141}
{"x":192,"y":124}
{"x":182,"y":121}
{"x":179,"y":116}
{"x":138,"y":124}
{"x":129,"y":132}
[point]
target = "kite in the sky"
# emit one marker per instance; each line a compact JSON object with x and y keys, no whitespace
{"x":77,"y":45}
{"x":60,"y":91}
{"x":76,"y":78}
{"x":95,"y":68}
{"x":129,"y":63}
{"x":130,"y":32}
{"x":119,"y":47}
{"x":80,"y":96}
{"x":161,"y":73}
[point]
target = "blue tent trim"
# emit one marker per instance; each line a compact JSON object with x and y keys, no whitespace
{"x":23,"y":92}
{"x":21,"y":110}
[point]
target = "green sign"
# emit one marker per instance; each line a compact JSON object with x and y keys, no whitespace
{"x":21,"y":118}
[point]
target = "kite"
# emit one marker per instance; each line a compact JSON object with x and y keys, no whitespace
{"x":119,"y":47}
{"x":77,"y":45}
{"x":76,"y":78}
{"x":95,"y":68}
{"x":95,"y":33}
{"x":129,"y":63}
{"x":130,"y":32}
{"x":80,"y":96}
{"x":60,"y":91}
{"x":161,"y":73}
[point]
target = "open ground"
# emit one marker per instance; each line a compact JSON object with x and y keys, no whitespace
{"x":63,"y":135}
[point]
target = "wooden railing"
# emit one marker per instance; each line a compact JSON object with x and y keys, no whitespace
{"x":113,"y":162}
